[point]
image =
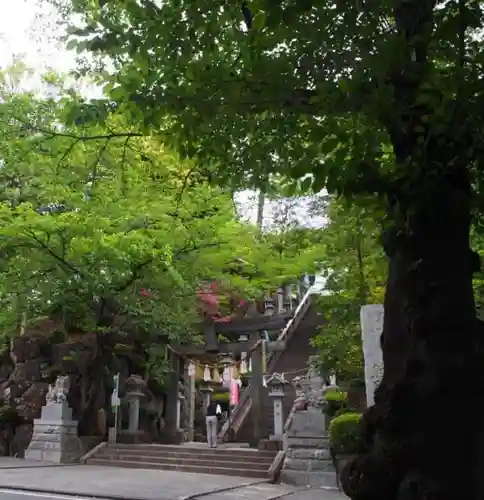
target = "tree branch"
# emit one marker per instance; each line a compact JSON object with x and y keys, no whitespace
{"x":56,"y":257}
{"x":95,"y":137}
{"x":135,"y":274}
{"x":96,"y":163}
{"x":195,"y":248}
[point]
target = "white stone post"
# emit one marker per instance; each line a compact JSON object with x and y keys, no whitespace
{"x":280,"y":300}
{"x":288,"y":297}
{"x":276,"y":384}
{"x":371,"y":317}
{"x":179,"y":400}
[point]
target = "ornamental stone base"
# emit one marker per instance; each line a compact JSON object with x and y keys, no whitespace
{"x":308,"y":460}
{"x":54,"y":437}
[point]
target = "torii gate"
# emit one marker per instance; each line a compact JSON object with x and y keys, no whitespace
{"x":253,"y":328}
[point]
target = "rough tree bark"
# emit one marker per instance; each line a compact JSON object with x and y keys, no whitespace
{"x":424,"y":438}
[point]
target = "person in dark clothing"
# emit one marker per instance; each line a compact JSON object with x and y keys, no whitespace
{"x":214,"y":411}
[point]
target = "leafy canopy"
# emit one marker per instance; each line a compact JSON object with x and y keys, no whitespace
{"x":91,"y":218}
{"x":288,"y":87}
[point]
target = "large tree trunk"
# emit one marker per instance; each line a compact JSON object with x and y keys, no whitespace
{"x":425,"y":436}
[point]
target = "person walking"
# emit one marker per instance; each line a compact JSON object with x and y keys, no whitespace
{"x":214,"y":412}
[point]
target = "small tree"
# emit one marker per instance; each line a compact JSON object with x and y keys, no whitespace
{"x":355,"y":268}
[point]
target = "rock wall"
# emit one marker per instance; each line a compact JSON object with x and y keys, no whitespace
{"x":34,"y":360}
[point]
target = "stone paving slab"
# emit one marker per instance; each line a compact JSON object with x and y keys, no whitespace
{"x":264,"y":491}
{"x":115,"y":483}
{"x":275,"y":492}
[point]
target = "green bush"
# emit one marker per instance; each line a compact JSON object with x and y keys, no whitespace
{"x":335,"y":402}
{"x":342,"y":411}
{"x":345,"y":434}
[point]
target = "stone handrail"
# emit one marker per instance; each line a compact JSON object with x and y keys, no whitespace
{"x":241,"y":411}
{"x":276,"y":466}
{"x":291,"y":326}
{"x":93,"y":452}
{"x":278,"y":462}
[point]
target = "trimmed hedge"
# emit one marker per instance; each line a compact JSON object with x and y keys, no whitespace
{"x":345,"y":434}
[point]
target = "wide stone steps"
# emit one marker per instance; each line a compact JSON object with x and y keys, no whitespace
{"x":293,"y":362}
{"x":228,"y":462}
{"x":245,"y":463}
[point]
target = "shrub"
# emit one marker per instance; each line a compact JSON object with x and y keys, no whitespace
{"x":345,"y":434}
{"x":335,"y":402}
{"x":342,"y":411}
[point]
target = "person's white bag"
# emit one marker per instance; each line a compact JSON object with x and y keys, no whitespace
{"x":218,"y":410}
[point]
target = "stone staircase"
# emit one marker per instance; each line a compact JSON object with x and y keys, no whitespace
{"x":225,"y":461}
{"x":292,"y":362}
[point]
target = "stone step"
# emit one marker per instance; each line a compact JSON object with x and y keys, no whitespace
{"x":219,"y":470}
{"x":313,"y":479}
{"x":308,"y":442}
{"x":295,"y":357}
{"x":198,"y":459}
{"x":164,"y":450}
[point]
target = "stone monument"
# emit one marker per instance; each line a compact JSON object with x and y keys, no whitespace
{"x":54,"y":437}
{"x":306,"y":444}
{"x":371,"y":318}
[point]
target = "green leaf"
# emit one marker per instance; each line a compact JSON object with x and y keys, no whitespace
{"x":259,"y":21}
{"x":71,"y":45}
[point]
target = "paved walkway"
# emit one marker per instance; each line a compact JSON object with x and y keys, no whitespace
{"x":142,"y":484}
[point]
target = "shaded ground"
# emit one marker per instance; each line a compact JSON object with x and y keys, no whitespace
{"x":139,"y":484}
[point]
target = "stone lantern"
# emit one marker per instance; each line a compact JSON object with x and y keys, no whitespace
{"x":134,"y":392}
{"x":206,"y":392}
{"x":276,"y":383}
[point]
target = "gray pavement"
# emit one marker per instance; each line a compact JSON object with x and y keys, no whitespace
{"x":20,"y":495}
{"x":24,"y":480}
